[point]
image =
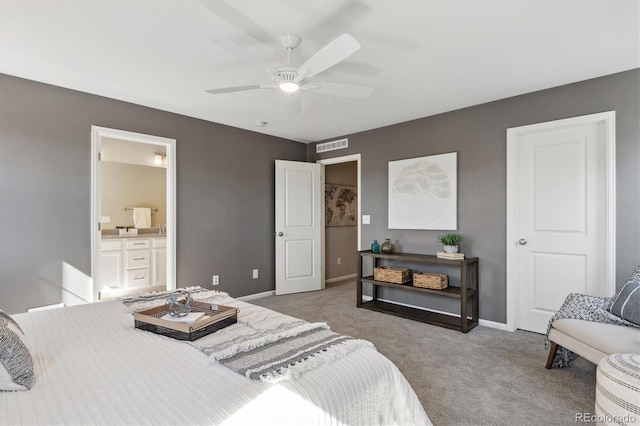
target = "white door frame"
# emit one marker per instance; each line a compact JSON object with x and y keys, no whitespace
{"x":97,"y":133}
{"x":608,"y":118}
{"x":346,"y":159}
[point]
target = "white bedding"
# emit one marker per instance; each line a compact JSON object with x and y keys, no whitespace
{"x":93,"y":367}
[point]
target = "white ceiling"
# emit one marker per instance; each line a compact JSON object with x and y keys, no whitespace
{"x":421,"y":57}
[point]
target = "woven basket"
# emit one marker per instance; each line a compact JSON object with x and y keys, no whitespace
{"x":430,"y":280}
{"x":390,"y":274}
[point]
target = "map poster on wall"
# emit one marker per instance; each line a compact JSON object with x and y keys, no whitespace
{"x":423,"y":193}
{"x":340,"y":205}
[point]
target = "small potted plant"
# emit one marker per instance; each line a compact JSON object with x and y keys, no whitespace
{"x":450,"y":242}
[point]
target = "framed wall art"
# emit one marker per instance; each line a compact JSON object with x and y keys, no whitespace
{"x":423,"y":193}
{"x":341,"y":205}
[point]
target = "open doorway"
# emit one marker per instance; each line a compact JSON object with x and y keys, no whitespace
{"x":132,"y":174}
{"x":342,"y":237}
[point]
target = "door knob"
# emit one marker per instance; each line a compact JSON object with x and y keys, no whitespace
{"x":279,"y":234}
{"x":522,"y":241}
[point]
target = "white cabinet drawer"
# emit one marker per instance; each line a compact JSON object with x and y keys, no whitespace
{"x":111,"y":245}
{"x":138,"y":259}
{"x":137,"y":277}
{"x":159,"y":242}
{"x":134,"y":243}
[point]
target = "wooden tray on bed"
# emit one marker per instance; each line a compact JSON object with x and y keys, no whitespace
{"x":215,"y":317}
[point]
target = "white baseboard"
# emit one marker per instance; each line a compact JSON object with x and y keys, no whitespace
{"x":484,"y":323}
{"x":493,"y":324}
{"x":256,"y":296}
{"x":342,"y":278}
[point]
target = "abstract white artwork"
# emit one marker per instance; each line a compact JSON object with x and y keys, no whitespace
{"x":423,"y":193}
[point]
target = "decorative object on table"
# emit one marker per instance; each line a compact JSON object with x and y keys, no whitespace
{"x":127,"y":230}
{"x":386,"y":247}
{"x":340,"y":204}
{"x":454,"y":256}
{"x":390,"y":274}
{"x":179,"y":303}
{"x":423,"y":192}
{"x":450,"y":242}
{"x":375,"y":247}
{"x":430,"y":280}
{"x":215,"y":318}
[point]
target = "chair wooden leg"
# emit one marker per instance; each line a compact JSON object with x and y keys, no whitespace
{"x":552,"y":354}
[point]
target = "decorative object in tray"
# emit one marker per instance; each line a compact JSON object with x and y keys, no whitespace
{"x":391,"y":274}
{"x":430,"y":280}
{"x":191,"y":322}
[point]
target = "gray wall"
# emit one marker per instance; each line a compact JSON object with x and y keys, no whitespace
{"x":225,"y":192}
{"x":341,"y":241}
{"x":478,"y":134}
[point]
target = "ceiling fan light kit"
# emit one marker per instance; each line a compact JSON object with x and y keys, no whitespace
{"x":290,"y":80}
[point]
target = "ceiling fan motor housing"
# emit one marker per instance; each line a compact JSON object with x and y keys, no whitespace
{"x":287,"y":75}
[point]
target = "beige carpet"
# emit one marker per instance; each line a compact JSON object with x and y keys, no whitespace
{"x":485,"y":377}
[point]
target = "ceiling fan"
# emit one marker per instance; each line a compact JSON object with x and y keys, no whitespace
{"x":290,"y":79}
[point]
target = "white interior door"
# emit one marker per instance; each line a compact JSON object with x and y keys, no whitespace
{"x":560,"y":231}
{"x":298,"y":227}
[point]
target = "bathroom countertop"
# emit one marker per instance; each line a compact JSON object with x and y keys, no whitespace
{"x":149,"y":235}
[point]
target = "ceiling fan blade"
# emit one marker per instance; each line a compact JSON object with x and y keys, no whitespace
{"x":292,"y":103}
{"x":235,"y":89}
{"x":337,"y":50}
{"x":344,"y":90}
{"x":241,"y":53}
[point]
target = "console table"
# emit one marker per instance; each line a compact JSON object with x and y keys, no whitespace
{"x":467,"y":293}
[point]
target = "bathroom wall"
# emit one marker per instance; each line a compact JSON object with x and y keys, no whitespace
{"x":129,"y":185}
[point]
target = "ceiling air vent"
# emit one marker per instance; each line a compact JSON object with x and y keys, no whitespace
{"x":332,"y":146}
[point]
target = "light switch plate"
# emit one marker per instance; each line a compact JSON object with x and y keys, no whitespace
{"x":366,"y":219}
{"x":105,"y":219}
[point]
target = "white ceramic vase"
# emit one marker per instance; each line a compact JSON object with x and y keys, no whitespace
{"x":450,"y":249}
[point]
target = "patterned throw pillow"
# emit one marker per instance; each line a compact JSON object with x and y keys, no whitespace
{"x":16,"y":364}
{"x":626,"y":304}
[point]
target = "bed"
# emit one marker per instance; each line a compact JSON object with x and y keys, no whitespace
{"x":91,"y":366}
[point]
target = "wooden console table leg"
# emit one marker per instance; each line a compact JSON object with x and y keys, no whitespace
{"x":464,"y":301}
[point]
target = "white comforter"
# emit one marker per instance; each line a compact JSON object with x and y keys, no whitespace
{"x":93,"y":367}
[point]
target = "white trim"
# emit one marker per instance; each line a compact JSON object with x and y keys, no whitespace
{"x":342,"y":278}
{"x":492,"y":324}
{"x":346,"y":159}
{"x":609,"y":119}
{"x":97,"y":133}
{"x":256,"y":296}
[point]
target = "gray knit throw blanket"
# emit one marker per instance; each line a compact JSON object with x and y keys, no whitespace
{"x":582,"y":307}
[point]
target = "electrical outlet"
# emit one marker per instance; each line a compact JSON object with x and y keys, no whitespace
{"x":216,"y":279}
{"x":339,"y":261}
{"x":255,"y":274}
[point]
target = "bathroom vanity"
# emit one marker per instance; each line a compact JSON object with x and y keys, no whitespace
{"x":133,"y":262}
